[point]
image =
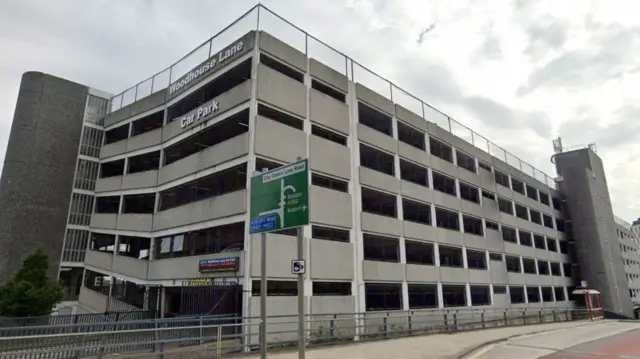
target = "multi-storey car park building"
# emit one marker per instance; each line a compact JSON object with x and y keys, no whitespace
{"x":628,"y":242}
{"x":633,"y":266}
{"x":149,"y":193}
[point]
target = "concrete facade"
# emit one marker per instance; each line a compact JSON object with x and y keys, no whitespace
{"x":291,"y":116}
{"x":596,"y":236}
{"x":630,"y":251}
{"x":632,"y":270}
{"x":38,"y":171}
{"x":405,"y":215}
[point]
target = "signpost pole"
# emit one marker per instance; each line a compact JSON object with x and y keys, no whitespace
{"x":263,"y":295}
{"x":280,"y":200}
{"x":301,"y":315}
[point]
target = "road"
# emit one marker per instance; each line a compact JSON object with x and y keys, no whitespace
{"x":438,"y":346}
{"x":564,"y":340}
{"x":613,"y":340}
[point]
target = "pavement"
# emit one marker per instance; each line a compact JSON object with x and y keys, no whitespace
{"x":608,"y":340}
{"x":439,"y":346}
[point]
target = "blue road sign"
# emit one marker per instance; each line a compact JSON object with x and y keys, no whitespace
{"x":263,"y":223}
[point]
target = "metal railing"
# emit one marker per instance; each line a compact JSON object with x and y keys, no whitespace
{"x":219,"y":337}
{"x":109,"y":321}
{"x":9,"y":326}
{"x":621,"y":222}
{"x":261,"y":18}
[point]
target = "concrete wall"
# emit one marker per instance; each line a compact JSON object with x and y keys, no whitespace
{"x":179,"y":269}
{"x":376,"y":271}
{"x":93,"y":302}
{"x":329,"y":260}
{"x":159,"y":98}
{"x":594,"y":230}
{"x":39,"y":165}
{"x":321,"y":314}
{"x":630,"y":258}
{"x":201,"y":211}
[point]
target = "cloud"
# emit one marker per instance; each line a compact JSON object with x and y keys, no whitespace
{"x":436,"y":82}
{"x":608,"y":54}
{"x":545,"y":36}
{"x":491,"y":47}
{"x":501,"y":116}
{"x":518,"y":72}
{"x":586,"y":129}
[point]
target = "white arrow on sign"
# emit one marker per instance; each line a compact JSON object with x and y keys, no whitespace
{"x":304,"y":207}
{"x":298,"y":266}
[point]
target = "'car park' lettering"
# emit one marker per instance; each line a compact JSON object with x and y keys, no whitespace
{"x":199,"y":113}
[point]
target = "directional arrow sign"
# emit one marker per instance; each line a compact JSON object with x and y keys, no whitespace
{"x":280,"y":198}
{"x":298,"y":266}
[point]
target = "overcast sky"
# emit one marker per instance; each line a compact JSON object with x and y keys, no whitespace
{"x":518,"y":72}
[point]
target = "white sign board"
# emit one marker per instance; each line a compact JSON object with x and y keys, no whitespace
{"x":298,"y":266}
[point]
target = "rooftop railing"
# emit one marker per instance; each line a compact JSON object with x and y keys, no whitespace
{"x":261,"y":18}
{"x":622,"y":222}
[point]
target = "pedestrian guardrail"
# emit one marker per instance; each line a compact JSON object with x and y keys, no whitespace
{"x":10,"y":323}
{"x":221,"y":337}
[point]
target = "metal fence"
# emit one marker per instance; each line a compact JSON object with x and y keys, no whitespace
{"x":261,"y":18}
{"x":32,"y":325}
{"x":222,"y":337}
{"x":621,"y":222}
{"x":95,"y":323}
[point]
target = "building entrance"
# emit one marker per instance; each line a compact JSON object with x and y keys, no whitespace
{"x":206,"y":297}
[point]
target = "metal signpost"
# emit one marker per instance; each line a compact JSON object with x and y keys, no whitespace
{"x":280,"y":200}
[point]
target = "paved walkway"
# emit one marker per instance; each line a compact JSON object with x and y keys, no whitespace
{"x":439,"y":346}
{"x":605,"y":341}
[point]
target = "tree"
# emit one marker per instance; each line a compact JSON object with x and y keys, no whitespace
{"x":30,"y":292}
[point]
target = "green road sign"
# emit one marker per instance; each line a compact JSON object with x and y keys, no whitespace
{"x":280,"y":198}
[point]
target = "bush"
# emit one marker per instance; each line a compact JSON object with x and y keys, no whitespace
{"x":30,"y":292}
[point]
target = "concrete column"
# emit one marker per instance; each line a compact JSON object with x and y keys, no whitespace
{"x":440,"y":296}
{"x":491,"y":301}
{"x":401,"y":242}
{"x":405,"y":295}
{"x":306,"y":231}
{"x":354,"y":189}
{"x":465,"y":265}
{"x":246,"y":280}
